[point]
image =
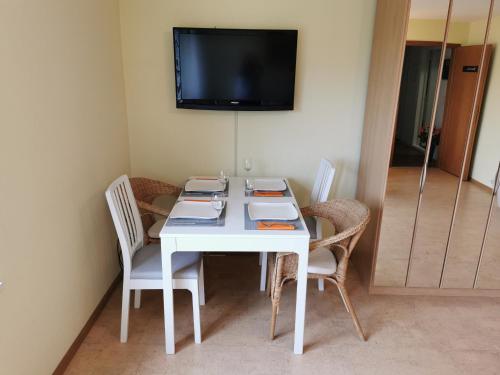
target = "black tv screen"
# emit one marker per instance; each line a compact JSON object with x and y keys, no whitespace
{"x":235,"y":69}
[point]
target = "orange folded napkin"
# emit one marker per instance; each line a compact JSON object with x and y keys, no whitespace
{"x":267,"y":193}
{"x":274,"y":225}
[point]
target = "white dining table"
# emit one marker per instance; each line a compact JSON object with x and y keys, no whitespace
{"x":234,"y":237}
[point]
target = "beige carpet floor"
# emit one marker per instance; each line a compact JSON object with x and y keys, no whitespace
{"x":406,"y":335}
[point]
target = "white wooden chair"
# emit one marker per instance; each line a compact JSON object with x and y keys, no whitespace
{"x":142,"y":264}
{"x":320,"y":192}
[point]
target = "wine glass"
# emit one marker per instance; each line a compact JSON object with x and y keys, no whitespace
{"x":247,"y":164}
{"x":249,"y":185}
{"x":217,"y":203}
{"x":223,"y":177}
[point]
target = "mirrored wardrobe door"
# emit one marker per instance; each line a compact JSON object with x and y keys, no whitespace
{"x":446,"y":151}
{"x":487,"y":159}
{"x":419,"y":80}
{"x":488,"y":270}
{"x":475,"y":191}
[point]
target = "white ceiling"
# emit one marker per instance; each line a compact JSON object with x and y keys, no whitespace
{"x":463,"y":10}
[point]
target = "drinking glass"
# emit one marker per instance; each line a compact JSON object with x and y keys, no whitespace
{"x":223,"y":177}
{"x":218,"y":204}
{"x":249,"y":185}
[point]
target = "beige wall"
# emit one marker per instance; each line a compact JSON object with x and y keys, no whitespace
{"x":332,"y":68}
{"x":63,"y":139}
{"x":487,"y":150}
{"x":433,"y":30}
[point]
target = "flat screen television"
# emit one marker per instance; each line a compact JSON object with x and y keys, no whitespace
{"x":235,"y":69}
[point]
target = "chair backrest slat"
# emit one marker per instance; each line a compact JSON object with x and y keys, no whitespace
{"x":126,"y":217}
{"x":323,"y":182}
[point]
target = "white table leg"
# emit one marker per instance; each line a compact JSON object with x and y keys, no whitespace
{"x":168,"y":295}
{"x":321,"y":285}
{"x":263,"y":271}
{"x":300,"y":308}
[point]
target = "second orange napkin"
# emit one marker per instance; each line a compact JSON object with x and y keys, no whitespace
{"x":268,"y":194}
{"x":271,"y":225}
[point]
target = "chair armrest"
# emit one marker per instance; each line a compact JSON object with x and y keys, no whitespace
{"x":306,"y":211}
{"x":334,"y":240}
{"x":152,"y":208}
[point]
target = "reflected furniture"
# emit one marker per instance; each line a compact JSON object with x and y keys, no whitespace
{"x":329,"y":257}
{"x":142,"y":263}
{"x":234,"y":237}
{"x":436,"y":226}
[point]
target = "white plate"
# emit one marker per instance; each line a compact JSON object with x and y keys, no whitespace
{"x":209,"y":186}
{"x":193,"y":210}
{"x":272,"y":211}
{"x":269,"y":184}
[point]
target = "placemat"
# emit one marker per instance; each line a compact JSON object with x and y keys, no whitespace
{"x":178,"y":222}
{"x":252,"y":225}
{"x":286,"y":193}
{"x":185,"y":193}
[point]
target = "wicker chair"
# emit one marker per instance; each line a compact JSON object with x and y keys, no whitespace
{"x":145,"y":191}
{"x":329,"y":257}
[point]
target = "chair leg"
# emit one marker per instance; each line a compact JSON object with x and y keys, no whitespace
{"x":125,"y":311}
{"x":263,"y":272}
{"x":274,"y":316}
{"x":260,"y":258}
{"x":196,"y":313}
{"x":350,"y":310}
{"x":201,"y":285}
{"x":137,"y":299}
{"x":321,"y":285}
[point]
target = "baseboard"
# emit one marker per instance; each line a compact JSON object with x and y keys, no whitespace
{"x":444,"y":292}
{"x":482,"y":186}
{"x":63,"y":364}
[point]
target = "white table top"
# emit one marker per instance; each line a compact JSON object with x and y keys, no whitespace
{"x":235,"y":218}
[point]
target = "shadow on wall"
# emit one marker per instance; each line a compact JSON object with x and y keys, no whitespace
{"x":95,"y":223}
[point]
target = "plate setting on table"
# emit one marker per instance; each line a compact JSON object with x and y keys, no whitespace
{"x":271,"y":216}
{"x":205,"y":186}
{"x":198,"y":212}
{"x":267,"y":187}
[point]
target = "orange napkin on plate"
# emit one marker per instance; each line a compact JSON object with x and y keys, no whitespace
{"x":267,"y":193}
{"x":274,"y":225}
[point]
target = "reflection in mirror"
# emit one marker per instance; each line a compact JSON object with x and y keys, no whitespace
{"x":486,"y":161}
{"x":455,"y":128}
{"x":419,"y":79}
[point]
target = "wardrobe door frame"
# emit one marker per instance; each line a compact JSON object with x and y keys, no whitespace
{"x":388,"y":47}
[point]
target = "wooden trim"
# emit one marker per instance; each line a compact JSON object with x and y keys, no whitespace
{"x":386,"y":66}
{"x":66,"y":359}
{"x":444,"y":292}
{"x":429,"y":43}
{"x":482,"y":186}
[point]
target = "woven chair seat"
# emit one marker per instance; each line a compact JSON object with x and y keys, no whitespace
{"x":322,"y":262}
